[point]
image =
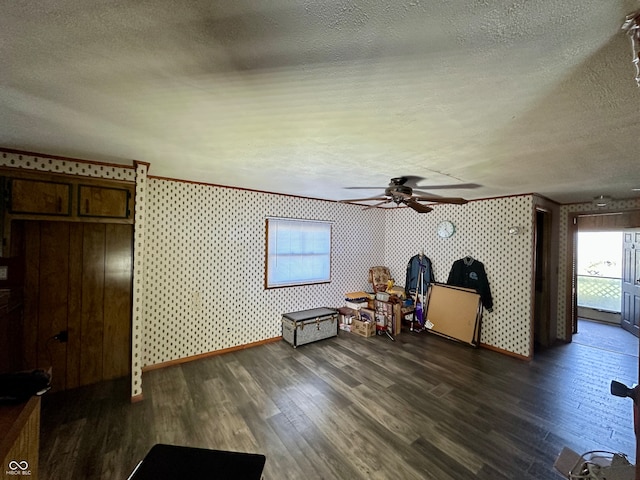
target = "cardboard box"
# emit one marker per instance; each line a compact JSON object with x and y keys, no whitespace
{"x":364,"y":329}
{"x":367,"y":315}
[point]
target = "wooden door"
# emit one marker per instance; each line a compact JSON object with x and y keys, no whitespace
{"x":631,"y":281}
{"x":78,"y":280}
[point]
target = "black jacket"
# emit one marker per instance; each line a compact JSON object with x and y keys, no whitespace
{"x":470,"y":273}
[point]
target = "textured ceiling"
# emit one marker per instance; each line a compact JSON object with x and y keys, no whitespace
{"x":308,"y":97}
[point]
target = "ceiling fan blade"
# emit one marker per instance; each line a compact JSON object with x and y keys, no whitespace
{"x":369,"y":199}
{"x":418,"y":207}
{"x":437,"y":199}
{"x":445,"y":187}
{"x":377,"y":204}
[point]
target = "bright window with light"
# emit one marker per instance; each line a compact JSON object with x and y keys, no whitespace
{"x":298,"y":252}
{"x":599,"y":275}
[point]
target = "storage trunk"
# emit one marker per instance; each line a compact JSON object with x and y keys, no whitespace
{"x":309,"y":326}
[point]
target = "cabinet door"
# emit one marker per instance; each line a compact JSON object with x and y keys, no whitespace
{"x":95,"y":201}
{"x":40,"y":197}
{"x":78,"y":279}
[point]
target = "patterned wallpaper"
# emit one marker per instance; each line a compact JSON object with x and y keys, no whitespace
{"x":482,"y":231}
{"x":199,"y":260}
{"x":204,"y":265}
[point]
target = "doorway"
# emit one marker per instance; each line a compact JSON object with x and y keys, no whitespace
{"x":591,"y":222}
{"x":543,"y":334}
{"x":599,"y":275}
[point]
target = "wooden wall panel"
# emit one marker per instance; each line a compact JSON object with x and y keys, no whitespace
{"x":612,"y":222}
{"x":31,"y":295}
{"x":78,"y":279}
{"x":54,"y":266}
{"x":92,"y":322}
{"x":74,"y":300}
{"x":117,"y":300}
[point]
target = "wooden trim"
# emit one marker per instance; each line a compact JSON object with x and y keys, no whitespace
{"x":506,"y":352}
{"x":601,"y":210}
{"x":139,"y":162}
{"x":570,"y":297}
{"x":532,"y":294}
{"x":545,"y":268}
{"x":179,"y":361}
{"x":137,"y":398}
{"x":65,"y":159}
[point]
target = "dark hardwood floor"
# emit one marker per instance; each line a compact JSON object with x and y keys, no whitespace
{"x":422,"y":407}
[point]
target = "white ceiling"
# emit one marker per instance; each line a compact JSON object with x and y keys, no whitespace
{"x":308,"y":97}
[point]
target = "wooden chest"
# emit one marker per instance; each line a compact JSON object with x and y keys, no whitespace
{"x":306,"y":326}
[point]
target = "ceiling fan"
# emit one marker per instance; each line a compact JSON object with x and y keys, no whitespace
{"x":403,"y":190}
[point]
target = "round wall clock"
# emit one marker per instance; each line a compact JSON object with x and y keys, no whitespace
{"x":446,"y":229}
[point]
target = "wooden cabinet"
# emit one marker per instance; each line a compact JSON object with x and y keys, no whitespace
{"x":108,"y":202}
{"x":46,"y":196}
{"x":75,"y":236}
{"x":39,"y":197}
{"x":20,"y":440}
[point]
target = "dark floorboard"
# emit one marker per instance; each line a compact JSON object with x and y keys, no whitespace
{"x":422,"y":407}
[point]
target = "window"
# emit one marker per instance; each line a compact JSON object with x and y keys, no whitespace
{"x":298,"y":252}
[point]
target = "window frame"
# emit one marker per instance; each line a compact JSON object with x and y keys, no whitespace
{"x":271,"y":224}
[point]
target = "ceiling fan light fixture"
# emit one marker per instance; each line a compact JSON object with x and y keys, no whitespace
{"x":602,"y":201}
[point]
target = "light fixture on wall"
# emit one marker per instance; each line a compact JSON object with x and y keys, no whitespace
{"x":601,"y":201}
{"x":514,"y":230}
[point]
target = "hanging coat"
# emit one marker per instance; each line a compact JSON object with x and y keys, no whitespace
{"x":470,"y":273}
{"x":413,"y":270}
